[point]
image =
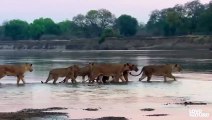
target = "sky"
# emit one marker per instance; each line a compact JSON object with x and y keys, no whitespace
{"x":60,"y":10}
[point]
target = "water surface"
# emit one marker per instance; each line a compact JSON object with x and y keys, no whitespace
{"x":193,"y":84}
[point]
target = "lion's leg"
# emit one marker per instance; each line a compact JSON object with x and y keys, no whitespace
{"x":125,"y":74}
{"x":55,"y":79}
{"x":92,"y":77}
{"x":22,"y":78}
{"x":122,"y":78}
{"x":171,"y":76}
{"x":100,"y":80}
{"x":142,"y":77}
{"x":149,"y":78}
{"x":18,"y":80}
{"x":63,"y":81}
{"x":105,"y":78}
{"x":83,"y":78}
{"x":73,"y":79}
{"x":116,"y":78}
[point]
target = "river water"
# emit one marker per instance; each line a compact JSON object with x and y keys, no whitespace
{"x":194,"y":83}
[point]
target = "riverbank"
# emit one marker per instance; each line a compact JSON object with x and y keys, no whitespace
{"x":132,"y":43}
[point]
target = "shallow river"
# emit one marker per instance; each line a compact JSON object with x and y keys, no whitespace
{"x":194,"y":83}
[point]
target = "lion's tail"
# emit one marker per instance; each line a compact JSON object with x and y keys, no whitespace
{"x":138,"y":74}
{"x":49,"y":78}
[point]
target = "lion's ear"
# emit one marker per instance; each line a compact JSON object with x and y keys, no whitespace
{"x":175,"y":65}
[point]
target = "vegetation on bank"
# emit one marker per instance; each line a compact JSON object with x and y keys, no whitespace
{"x":192,"y":18}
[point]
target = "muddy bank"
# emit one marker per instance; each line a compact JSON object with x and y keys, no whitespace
{"x":108,"y":118}
{"x":47,"y":114}
{"x":132,"y":43}
{"x":35,"y":113}
{"x":192,"y":103}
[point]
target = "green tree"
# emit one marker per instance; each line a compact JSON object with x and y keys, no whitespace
{"x":107,"y":33}
{"x":43,"y":26}
{"x":127,"y":25}
{"x":94,"y":22}
{"x":68,"y":28}
{"x":179,"y":20}
{"x":82,"y":27}
{"x":193,"y":11}
{"x":16,"y":29}
{"x":172,"y":21}
{"x":99,"y":20}
{"x":205,"y":24}
{"x":155,"y":24}
{"x":1,"y":32}
{"x":106,"y":19}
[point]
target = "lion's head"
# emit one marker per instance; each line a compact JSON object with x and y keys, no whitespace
{"x":176,"y":68}
{"x":28,"y":67}
{"x":133,"y":67}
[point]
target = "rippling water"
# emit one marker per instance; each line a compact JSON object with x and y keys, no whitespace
{"x":194,"y":83}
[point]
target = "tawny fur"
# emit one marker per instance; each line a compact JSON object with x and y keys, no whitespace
{"x":159,"y":70}
{"x":15,"y":70}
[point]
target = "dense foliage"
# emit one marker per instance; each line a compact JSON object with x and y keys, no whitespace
{"x":127,"y":25}
{"x":190,"y":18}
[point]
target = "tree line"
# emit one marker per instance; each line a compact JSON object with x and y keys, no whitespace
{"x":190,"y":18}
{"x":95,"y":24}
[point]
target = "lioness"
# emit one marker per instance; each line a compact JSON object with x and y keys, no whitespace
{"x":159,"y":70}
{"x":15,"y":70}
{"x":132,"y":67}
{"x":115,"y":70}
{"x":68,"y":73}
{"x":83,"y":71}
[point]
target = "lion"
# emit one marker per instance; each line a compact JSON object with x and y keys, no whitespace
{"x":68,"y":73}
{"x":115,"y":70}
{"x":15,"y":70}
{"x":159,"y":70}
{"x":83,"y":71}
{"x":132,"y":67}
